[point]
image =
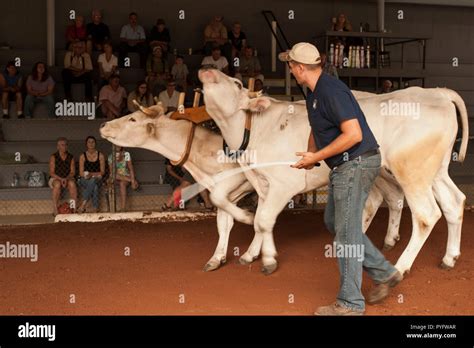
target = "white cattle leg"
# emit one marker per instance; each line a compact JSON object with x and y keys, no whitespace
{"x":394,"y":196}
{"x":425,"y":214}
{"x":254,"y":248}
{"x":267,"y":212}
{"x":451,"y":200}
{"x":224,"y":224}
{"x":374,"y":200}
{"x":220,"y":198}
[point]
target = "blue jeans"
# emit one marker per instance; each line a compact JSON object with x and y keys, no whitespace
{"x":349,"y":187}
{"x":30,"y":102}
{"x":90,"y":189}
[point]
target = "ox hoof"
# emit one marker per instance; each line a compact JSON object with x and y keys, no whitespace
{"x":387,"y":247}
{"x":213,"y":265}
{"x":445,"y":266}
{"x":244,"y":261}
{"x":269,"y":269}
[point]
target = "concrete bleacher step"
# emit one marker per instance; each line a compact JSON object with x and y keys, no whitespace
{"x":131,"y":75}
{"x":145,"y":171}
{"x":28,"y":56}
{"x":42,"y":150}
{"x":50,"y":129}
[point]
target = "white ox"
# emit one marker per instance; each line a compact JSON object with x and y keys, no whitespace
{"x":416,"y":151}
{"x":149,"y":129}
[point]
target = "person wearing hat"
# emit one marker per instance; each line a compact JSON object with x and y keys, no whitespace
{"x":342,"y":138}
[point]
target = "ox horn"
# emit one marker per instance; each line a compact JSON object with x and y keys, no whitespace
{"x":255,"y":94}
{"x":146,"y":111}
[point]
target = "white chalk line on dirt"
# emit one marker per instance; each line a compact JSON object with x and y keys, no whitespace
{"x":144,"y":216}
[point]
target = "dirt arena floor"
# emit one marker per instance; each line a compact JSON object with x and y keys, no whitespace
{"x":166,"y":261}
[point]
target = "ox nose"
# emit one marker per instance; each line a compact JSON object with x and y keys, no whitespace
{"x":206,"y":75}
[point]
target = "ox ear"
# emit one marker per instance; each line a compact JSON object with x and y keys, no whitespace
{"x":150,"y":129}
{"x":258,"y":104}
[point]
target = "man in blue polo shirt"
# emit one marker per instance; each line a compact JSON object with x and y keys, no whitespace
{"x":342,"y":138}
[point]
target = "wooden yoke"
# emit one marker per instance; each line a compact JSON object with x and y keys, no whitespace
{"x":197,"y":114}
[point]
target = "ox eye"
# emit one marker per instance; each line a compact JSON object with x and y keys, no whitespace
{"x":132,"y":119}
{"x":238,"y":84}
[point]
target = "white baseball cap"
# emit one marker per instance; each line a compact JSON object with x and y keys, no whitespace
{"x":302,"y":52}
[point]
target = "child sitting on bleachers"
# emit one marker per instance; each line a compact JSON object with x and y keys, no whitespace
{"x":180,"y":73}
{"x":10,"y":83}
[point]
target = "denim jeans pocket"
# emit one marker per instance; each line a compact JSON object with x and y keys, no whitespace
{"x":342,"y":181}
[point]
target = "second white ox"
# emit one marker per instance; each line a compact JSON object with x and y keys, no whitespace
{"x":150,"y":129}
{"x":416,"y":152}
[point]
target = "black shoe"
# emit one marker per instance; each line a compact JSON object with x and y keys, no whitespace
{"x":6,"y":116}
{"x":21,"y":116}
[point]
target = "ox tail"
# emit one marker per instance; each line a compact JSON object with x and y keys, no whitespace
{"x":461,"y":107}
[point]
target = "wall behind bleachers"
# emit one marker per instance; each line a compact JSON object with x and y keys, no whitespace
{"x":23,"y":23}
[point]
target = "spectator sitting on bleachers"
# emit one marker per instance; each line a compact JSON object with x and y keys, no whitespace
{"x":113,"y":98}
{"x":216,"y":60}
{"x":215,"y":34}
{"x":157,"y":70}
{"x":77,"y":69}
{"x":237,"y":39}
{"x":341,"y":23}
{"x":40,"y":87}
{"x":124,"y":175}
{"x":91,"y":171}
{"x":249,"y":66}
{"x":258,"y":86}
{"x":76,"y":32}
{"x":132,"y":39}
{"x":142,"y":95}
{"x":160,"y":36}
{"x":62,"y":172}
{"x":97,"y":32}
{"x":108,"y":64}
{"x":169,"y":97}
{"x":387,"y":86}
{"x":10,"y":82}
{"x":180,"y":73}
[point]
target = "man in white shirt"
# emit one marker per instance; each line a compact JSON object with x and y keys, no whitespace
{"x":169,"y":97}
{"x":77,"y":69}
{"x":132,"y":39}
{"x":216,"y":60}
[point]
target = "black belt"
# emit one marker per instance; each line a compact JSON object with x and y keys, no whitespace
{"x":366,"y":154}
{"x":360,"y":157}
